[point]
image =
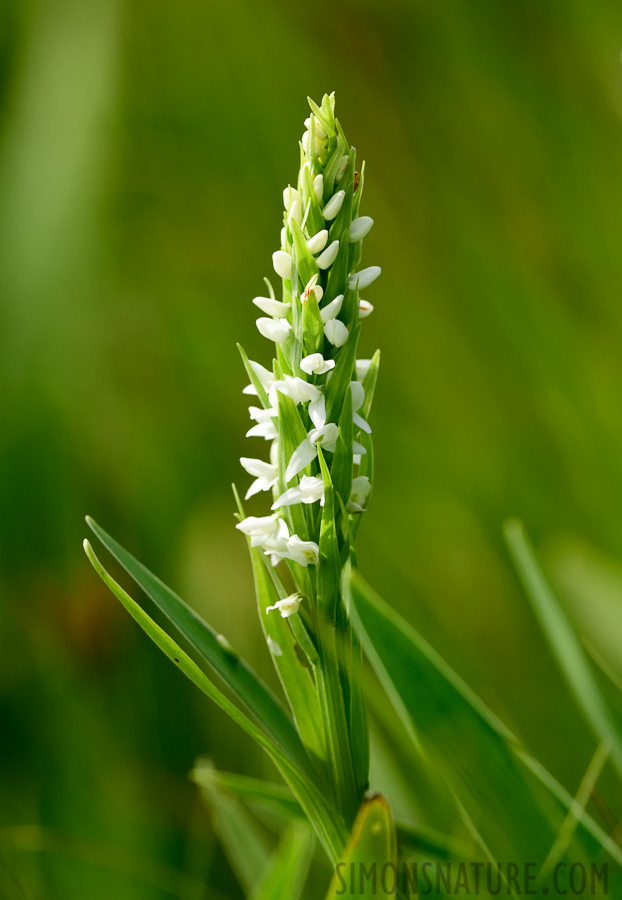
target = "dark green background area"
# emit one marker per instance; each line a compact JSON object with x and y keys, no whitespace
{"x":143,"y":150}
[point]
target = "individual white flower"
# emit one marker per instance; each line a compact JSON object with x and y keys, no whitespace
{"x":265,"y":426}
{"x":295,"y":212}
{"x":336,"y":332}
{"x":365,"y":309}
{"x":358,"y":398}
{"x":288,"y":606}
{"x":289,"y":195}
{"x":318,"y":241}
{"x":331,"y":309}
{"x":319,"y":128}
{"x":271,"y":307}
{"x":363,"y":278}
{"x":360,"y":227}
{"x":303,"y":552}
{"x":266,"y":475}
{"x":315,"y":364}
{"x":264,"y":375}
{"x":282,"y":262}
{"x":333,"y":206}
{"x":362,"y":368}
{"x":313,"y":287}
{"x":318,"y":187}
{"x":328,"y":257}
{"x":277,"y":330}
{"x":306,"y":451}
{"x":297,"y":389}
{"x":359,"y":494}
{"x":343,"y":165}
{"x":261,"y":529}
{"x":309,"y":490}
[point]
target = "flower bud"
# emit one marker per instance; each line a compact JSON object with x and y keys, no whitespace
{"x":363,"y":278}
{"x":318,"y":241}
{"x":277,"y":330}
{"x":315,"y":364}
{"x":331,"y":309}
{"x":336,"y":332}
{"x":343,"y":165}
{"x":333,"y":206}
{"x":328,"y":257}
{"x":271,"y":307}
{"x":365,"y":309}
{"x":313,"y":287}
{"x":295,"y":211}
{"x":318,"y":187}
{"x":289,"y":195}
{"x":282,"y":262}
{"x":360,"y":227}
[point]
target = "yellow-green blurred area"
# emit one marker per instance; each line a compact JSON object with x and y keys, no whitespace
{"x":144,"y":148}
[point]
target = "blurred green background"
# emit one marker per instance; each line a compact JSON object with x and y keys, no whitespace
{"x":143,"y":150}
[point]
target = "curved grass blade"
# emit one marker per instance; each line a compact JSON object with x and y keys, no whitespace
{"x":256,"y":792}
{"x":324,"y":819}
{"x":368,"y":867}
{"x":286,"y":872}
{"x":246,"y":686}
{"x":515,"y":806}
{"x":564,"y":642}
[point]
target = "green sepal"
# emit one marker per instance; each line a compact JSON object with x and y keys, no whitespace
{"x":343,"y":218}
{"x":315,"y":219}
{"x":338,"y":274}
{"x":350,"y":307}
{"x":369,"y":384}
{"x":358,"y":193}
{"x":313,"y":327}
{"x":343,"y":374}
{"x":326,"y":116}
{"x":332,"y":167}
{"x":304,"y":260}
{"x":261,"y":391}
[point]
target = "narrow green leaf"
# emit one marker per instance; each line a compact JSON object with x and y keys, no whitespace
{"x":315,"y":219}
{"x":327,"y":823}
{"x":256,"y":792}
{"x":291,"y":434}
{"x":313,"y":327}
{"x":261,"y":391}
{"x":341,"y":467}
{"x":491,"y":776}
{"x":286,"y":872}
{"x":342,"y":376}
{"x":371,"y":848}
{"x":305,"y":261}
{"x":358,"y":725}
{"x":338,"y":272}
{"x":369,"y":384}
{"x":236,"y":674}
{"x":564,"y":643}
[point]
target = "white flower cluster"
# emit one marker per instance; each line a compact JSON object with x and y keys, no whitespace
{"x":309,"y":356}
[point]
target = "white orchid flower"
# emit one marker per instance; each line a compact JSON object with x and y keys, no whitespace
{"x":262,"y":529}
{"x":336,"y":332}
{"x":362,"y":368}
{"x":295,"y":211}
{"x":290,"y":194}
{"x":306,"y":451}
{"x":318,"y":187}
{"x":363,"y":278}
{"x":271,"y":307}
{"x":328,"y":257}
{"x":282,"y":262}
{"x":317,"y":243}
{"x":265,"y":426}
{"x":264,"y":375}
{"x":365,"y":309}
{"x":332,"y":309}
{"x":303,"y":552}
{"x":313,"y":287}
{"x":315,"y":364}
{"x":333,"y":206}
{"x":360,"y":227}
{"x":266,"y":475}
{"x":310,"y":490}
{"x":288,"y":606}
{"x":277,"y":330}
{"x":358,"y":399}
{"x":359,"y":494}
{"x":297,"y":389}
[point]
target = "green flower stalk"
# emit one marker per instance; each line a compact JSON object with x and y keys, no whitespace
{"x":314,"y":406}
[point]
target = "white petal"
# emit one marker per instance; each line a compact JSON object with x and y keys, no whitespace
{"x":291,"y":495}
{"x":313,"y":287}
{"x":360,"y":422}
{"x":328,"y":257}
{"x":362,"y":368}
{"x":331,"y":309}
{"x":358,"y":394}
{"x":258,"y":414}
{"x":258,"y":485}
{"x":276,"y":330}
{"x":272,"y":307}
{"x":358,"y":449}
{"x":318,"y":187}
{"x":333,"y":206}
{"x":282,"y":262}
{"x":318,"y":241}
{"x":315,"y":364}
{"x":360,"y":227}
{"x":258,"y":468}
{"x":297,"y":389}
{"x":265,"y":375}
{"x":289,"y":195}
{"x":365,"y":309}
{"x":295,"y":211}
{"x":283,"y":237}
{"x":258,"y":525}
{"x":363,"y":278}
{"x":317,"y":411}
{"x":326,"y":435}
{"x":301,"y":457}
{"x":336,"y":332}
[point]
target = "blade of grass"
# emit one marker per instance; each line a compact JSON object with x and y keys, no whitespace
{"x":287,"y":870}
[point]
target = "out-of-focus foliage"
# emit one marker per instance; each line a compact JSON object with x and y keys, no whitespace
{"x":143,"y":150}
